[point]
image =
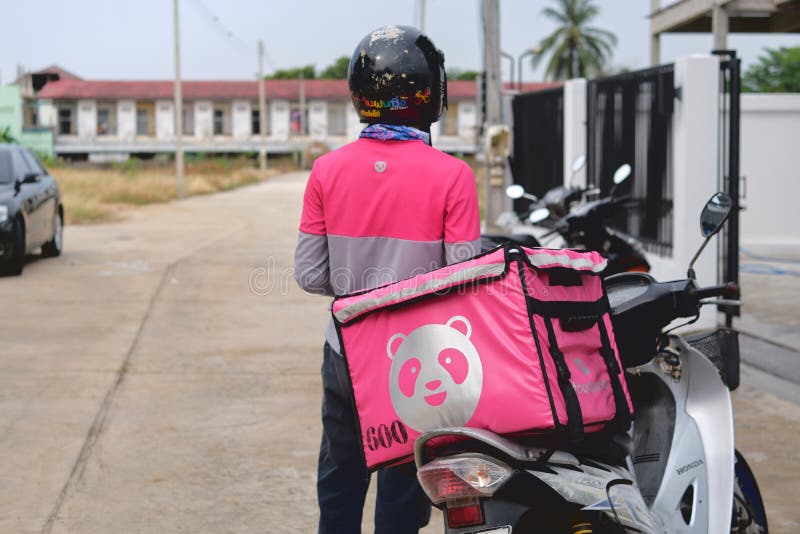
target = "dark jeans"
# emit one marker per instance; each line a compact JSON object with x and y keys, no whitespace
{"x":342,"y":479}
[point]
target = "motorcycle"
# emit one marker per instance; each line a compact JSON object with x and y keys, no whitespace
{"x":580,"y":225}
{"x":520,"y":231}
{"x":675,"y":471}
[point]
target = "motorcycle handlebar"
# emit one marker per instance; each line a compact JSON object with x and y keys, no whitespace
{"x":729,"y":291}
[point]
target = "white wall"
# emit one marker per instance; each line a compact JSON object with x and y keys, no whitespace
{"x":165,"y":119}
{"x":318,"y":119}
{"x":695,"y":164}
{"x":279,"y":119}
{"x":87,"y":119}
{"x":47,"y":115}
{"x":241,"y":126}
{"x":574,"y":128}
{"x":354,"y":125}
{"x":467,"y":119}
{"x":203,"y":119}
{"x":126,"y":119}
{"x":770,"y":138}
{"x":436,"y":133}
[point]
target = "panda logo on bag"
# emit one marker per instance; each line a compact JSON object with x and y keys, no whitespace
{"x":436,"y":375}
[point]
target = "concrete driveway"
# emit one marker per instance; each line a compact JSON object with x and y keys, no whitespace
{"x":163,"y":376}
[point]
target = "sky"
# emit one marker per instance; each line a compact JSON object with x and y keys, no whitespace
{"x":124,"y":39}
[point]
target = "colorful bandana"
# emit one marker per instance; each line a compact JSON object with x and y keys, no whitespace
{"x":395,"y":132}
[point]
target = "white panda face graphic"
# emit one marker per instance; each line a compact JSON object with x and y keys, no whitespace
{"x":436,"y":376}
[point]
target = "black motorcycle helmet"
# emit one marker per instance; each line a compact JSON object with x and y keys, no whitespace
{"x":397,"y":76}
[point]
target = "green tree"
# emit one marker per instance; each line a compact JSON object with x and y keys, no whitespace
{"x":337,"y":70}
{"x":777,"y":71}
{"x":5,"y":135}
{"x":308,"y":71}
{"x":575,"y":48}
{"x":458,"y":74}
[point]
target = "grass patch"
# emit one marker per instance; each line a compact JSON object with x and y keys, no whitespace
{"x":94,"y":193}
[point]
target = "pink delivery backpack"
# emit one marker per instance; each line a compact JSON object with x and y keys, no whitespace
{"x":515,"y":340}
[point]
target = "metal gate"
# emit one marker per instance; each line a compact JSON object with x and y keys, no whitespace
{"x":538,"y":161}
{"x":728,"y":178}
{"x":629,"y":120}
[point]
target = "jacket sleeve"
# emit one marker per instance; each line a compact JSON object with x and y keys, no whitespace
{"x":311,"y":266}
{"x":462,"y":226}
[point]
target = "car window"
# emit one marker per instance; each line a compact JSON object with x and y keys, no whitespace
{"x":19,"y":165}
{"x":6,"y":176}
{"x":33,"y":162}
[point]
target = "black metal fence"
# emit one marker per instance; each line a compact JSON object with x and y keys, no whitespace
{"x":629,"y":118}
{"x":538,"y":159}
{"x":728,"y":179}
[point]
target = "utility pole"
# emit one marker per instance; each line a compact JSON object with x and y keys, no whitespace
{"x":422,"y":16}
{"x":178,"y":106}
{"x":494,"y":171}
{"x":262,"y":113}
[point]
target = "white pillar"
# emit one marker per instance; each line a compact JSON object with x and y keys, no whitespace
{"x":165,"y":119}
{"x":695,"y":163}
{"x":719,"y":27}
{"x":279,"y":119}
{"x":655,"y":38}
{"x":203,"y":119}
{"x":87,"y":119}
{"x":318,"y":119}
{"x":126,"y":119}
{"x":241,"y":119}
{"x":574,"y":129}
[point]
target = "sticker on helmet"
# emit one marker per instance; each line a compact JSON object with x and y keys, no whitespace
{"x":423,"y":98}
{"x":389,"y":33}
{"x":380,"y":166}
{"x":395,"y":104}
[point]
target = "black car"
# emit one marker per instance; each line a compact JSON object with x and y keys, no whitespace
{"x":31,"y":215}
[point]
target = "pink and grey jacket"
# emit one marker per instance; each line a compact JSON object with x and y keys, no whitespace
{"x":375,"y":212}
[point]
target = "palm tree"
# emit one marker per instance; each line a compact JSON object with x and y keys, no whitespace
{"x":575,"y":48}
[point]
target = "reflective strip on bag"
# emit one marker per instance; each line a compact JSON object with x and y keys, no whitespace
{"x":544,"y":260}
{"x":464,"y":275}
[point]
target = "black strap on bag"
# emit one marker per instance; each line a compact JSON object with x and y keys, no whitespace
{"x":622,"y":418}
{"x":574,"y":414}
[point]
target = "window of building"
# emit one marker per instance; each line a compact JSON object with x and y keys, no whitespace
{"x":187,"y":122}
{"x":298,"y":120}
{"x":255,"y":120}
{"x":219,"y":121}
{"x":141,"y":122}
{"x":222,"y":119}
{"x":337,"y":118}
{"x":106,"y":119}
{"x":66,"y":120}
{"x":30,"y":117}
{"x":145,"y":123}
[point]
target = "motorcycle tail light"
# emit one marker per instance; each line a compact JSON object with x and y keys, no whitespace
{"x":464,"y":513}
{"x":450,"y":479}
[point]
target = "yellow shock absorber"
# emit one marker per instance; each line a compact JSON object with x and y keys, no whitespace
{"x":581,"y":527}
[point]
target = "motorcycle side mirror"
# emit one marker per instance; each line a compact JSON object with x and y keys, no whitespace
{"x":621,"y":174}
{"x":713,"y":216}
{"x":515,"y":191}
{"x":538,"y":215}
{"x":578,"y":163}
{"x":715,"y":213}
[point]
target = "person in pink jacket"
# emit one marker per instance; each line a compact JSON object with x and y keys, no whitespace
{"x":383,"y":208}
